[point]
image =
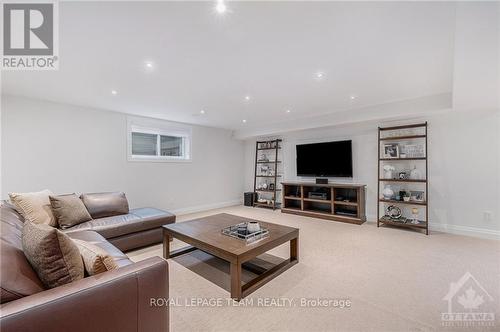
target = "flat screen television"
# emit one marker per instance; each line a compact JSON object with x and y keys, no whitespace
{"x":330,"y":159}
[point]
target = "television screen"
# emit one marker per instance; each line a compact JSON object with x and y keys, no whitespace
{"x":325,"y":159}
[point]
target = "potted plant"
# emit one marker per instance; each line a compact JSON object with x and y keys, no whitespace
{"x":406,"y":196}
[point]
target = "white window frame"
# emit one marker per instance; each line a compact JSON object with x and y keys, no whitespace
{"x":159,"y":128}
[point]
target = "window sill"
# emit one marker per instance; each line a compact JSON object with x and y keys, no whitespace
{"x":158,"y":160}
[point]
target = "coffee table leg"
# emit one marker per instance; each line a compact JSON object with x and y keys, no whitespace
{"x":235,"y":272}
{"x":294,"y":249}
{"x":166,"y":245}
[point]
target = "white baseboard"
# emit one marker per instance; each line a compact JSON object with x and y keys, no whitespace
{"x":459,"y":230}
{"x":205,"y":207}
{"x":466,"y":230}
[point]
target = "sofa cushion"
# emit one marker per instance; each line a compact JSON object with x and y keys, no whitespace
{"x":148,"y":214}
{"x":102,"y":205}
{"x":94,"y":238}
{"x":136,"y":221}
{"x":35,"y":207}
{"x":17,"y":277}
{"x":69,"y":210}
{"x":11,"y":225}
{"x":95,"y":259}
{"x":52,"y":254}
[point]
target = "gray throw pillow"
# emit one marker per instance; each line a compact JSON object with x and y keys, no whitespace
{"x":69,"y":210}
{"x":101,"y":205}
{"x":52,"y":254}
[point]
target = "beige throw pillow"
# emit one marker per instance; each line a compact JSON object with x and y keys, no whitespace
{"x":52,"y":254}
{"x":69,"y":210}
{"x":95,"y":259}
{"x":35,"y":207}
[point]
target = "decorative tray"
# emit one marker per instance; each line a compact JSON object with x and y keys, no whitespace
{"x":241,"y":232}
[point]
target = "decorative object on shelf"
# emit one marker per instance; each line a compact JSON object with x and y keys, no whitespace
{"x":414,"y":150}
{"x":391,"y":150}
{"x":406,"y":196}
{"x":417,"y":196}
{"x":271,"y":186}
{"x":401,"y":219}
{"x":264,"y":169}
{"x":263,"y":158}
{"x":414,"y":219}
{"x":403,"y":175}
{"x":388,"y":169}
{"x":393,"y":211}
{"x":415,"y":174}
{"x":388,"y":192}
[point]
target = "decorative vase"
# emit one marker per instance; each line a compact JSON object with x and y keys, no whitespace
{"x":388,"y":192}
{"x":414,"y":213}
{"x":253,"y":226}
{"x":387,"y":174}
{"x":415,"y":174}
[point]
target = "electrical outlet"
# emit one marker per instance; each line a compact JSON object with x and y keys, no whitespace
{"x":487,"y":215}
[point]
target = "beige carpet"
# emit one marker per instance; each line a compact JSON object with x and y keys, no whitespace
{"x":395,"y":279}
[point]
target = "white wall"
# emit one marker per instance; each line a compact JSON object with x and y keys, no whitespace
{"x":463,"y":167}
{"x":75,"y":149}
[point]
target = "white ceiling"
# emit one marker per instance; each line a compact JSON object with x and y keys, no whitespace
{"x":379,"y":52}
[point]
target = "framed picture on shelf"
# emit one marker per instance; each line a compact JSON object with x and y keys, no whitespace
{"x":417,"y":196}
{"x":391,"y":151}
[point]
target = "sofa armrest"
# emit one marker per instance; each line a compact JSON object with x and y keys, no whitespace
{"x":117,"y":300}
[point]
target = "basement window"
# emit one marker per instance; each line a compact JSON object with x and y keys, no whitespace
{"x":158,"y":143}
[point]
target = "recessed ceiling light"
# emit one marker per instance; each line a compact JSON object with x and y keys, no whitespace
{"x":319,"y":75}
{"x":247,"y":98}
{"x":114,"y":92}
{"x":244,"y":121}
{"x":288,"y":111}
{"x":353,"y":97}
{"x":202,"y":111}
{"x":148,"y":65}
{"x":220,"y":7}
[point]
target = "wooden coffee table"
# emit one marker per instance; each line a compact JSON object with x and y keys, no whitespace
{"x":206,"y":234}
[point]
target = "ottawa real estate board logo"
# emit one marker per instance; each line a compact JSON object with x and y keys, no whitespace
{"x":469,"y":305}
{"x":30,"y":36}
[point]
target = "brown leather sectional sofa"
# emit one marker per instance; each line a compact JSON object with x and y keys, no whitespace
{"x":117,"y":300}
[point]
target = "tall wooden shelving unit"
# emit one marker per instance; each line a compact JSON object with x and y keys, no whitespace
{"x":272,"y":147}
{"x":421,"y":135}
